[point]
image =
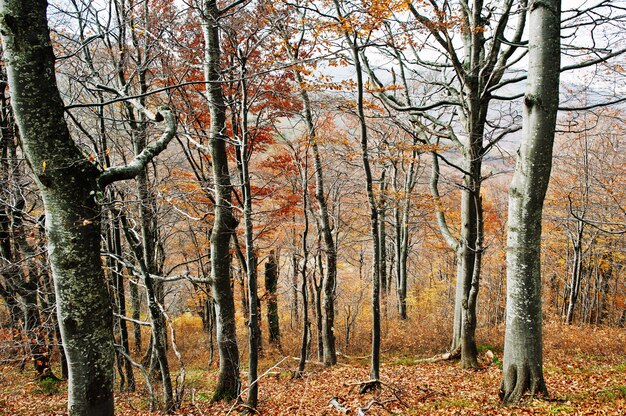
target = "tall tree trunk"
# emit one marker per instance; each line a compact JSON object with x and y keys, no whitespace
{"x":523,"y":355}
{"x":228,"y":384}
{"x":401,"y":214}
{"x":115,"y":246}
{"x":157,"y":319}
{"x":304,"y":345}
{"x":69,"y":186}
{"x":254,"y":336}
{"x":382,"y":233}
{"x":469,"y":352}
{"x":329,"y":280}
{"x":400,"y":271}
{"x":577,"y":273}
{"x":139,"y":141}
{"x":369,"y":187}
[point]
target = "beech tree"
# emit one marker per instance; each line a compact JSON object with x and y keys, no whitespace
{"x":523,"y":359}
{"x":474,"y":46}
{"x":71,"y":187}
{"x":228,"y":383}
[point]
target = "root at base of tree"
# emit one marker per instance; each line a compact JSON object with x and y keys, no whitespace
{"x":369,"y":385}
{"x":522,"y":381}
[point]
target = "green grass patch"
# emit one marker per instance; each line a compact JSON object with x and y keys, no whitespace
{"x":486,"y":347}
{"x":560,"y":409}
{"x":405,"y":361}
{"x":202,"y":397}
{"x":621,"y":366}
{"x":452,"y":402}
{"x":612,"y":393}
{"x":47,"y":386}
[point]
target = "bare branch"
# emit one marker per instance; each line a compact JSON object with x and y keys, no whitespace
{"x":134,"y":168}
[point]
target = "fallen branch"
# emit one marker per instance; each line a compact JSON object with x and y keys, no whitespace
{"x":335,"y":403}
{"x":308,"y":361}
{"x":361,"y":410}
{"x":350,"y":357}
{"x":396,"y":393}
{"x":448,"y":356}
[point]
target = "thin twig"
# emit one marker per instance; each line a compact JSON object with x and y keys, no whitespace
{"x":236,"y":402}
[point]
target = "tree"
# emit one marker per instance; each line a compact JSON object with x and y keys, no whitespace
{"x":228,"y":384}
{"x":472,"y":55}
{"x":71,"y":187}
{"x":350,"y":30}
{"x":523,"y":358}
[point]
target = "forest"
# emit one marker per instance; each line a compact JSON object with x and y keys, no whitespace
{"x":315,"y":207}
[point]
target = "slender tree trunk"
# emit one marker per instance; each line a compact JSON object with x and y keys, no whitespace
{"x":469,"y":352}
{"x":254,"y":337}
{"x":399,"y":250}
{"x":374,"y":220}
{"x":469,"y":273}
{"x":118,"y":276}
{"x":228,"y":384}
{"x":157,"y":319}
{"x":329,"y":281}
{"x":382,"y":233}
{"x":577,"y":273}
{"x":304,"y":346}
{"x":523,"y":355}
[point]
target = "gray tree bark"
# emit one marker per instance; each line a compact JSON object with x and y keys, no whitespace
{"x":523,"y":359}
{"x":401,"y":214}
{"x":479,"y":67}
{"x":244,"y":153}
{"x":228,"y":383}
{"x":306,"y":325}
{"x":157,"y":318}
{"x":71,"y":187}
{"x":356,"y":51}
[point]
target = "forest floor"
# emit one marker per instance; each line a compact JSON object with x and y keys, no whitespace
{"x":585,"y":371}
